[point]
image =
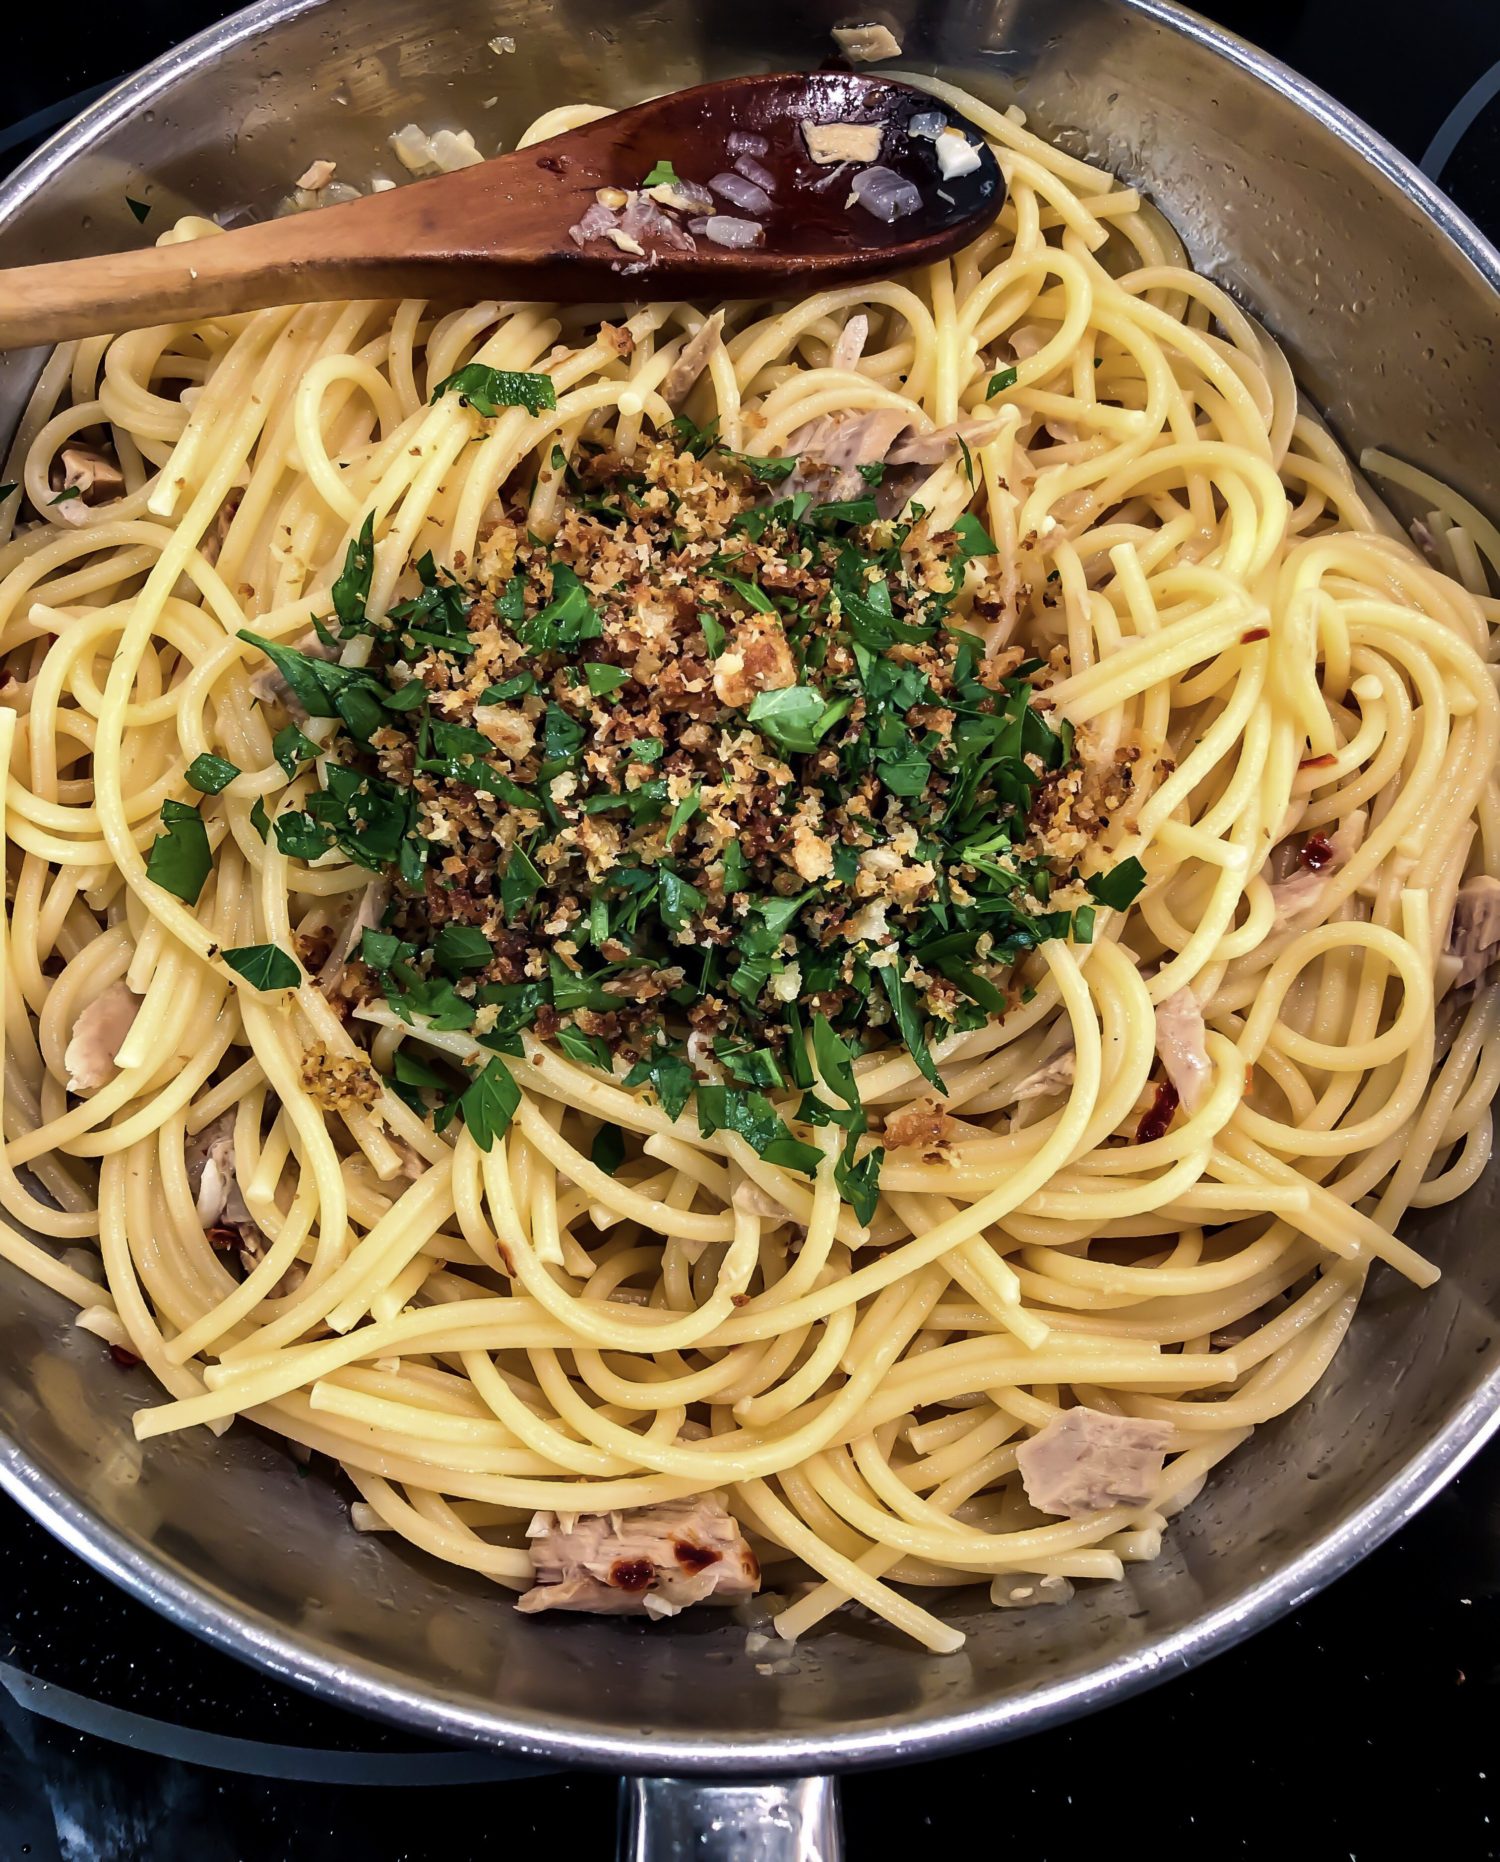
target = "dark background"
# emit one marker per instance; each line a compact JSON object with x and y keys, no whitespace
{"x":1369,"y":1713}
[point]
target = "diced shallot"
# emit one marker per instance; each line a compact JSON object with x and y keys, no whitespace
{"x":597,"y":223}
{"x":725,"y":230}
{"x":682,"y":196}
{"x":956,"y":154}
{"x":755,"y":171}
{"x":746,"y":142}
{"x":886,"y":194}
{"x":864,"y":44}
{"x":741,"y":193}
{"x":928,"y":123}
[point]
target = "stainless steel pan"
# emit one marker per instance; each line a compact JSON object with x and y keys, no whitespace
{"x":1386,"y":299}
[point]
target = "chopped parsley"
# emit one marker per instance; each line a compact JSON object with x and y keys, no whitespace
{"x":264,"y":966}
{"x":180,"y":859}
{"x":209,"y":774}
{"x":489,"y":390}
{"x":715,"y":790}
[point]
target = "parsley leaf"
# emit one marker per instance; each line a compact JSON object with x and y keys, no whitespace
{"x":489,"y":389}
{"x":264,"y":966}
{"x":291,"y":750}
{"x":1119,"y":886}
{"x":490,"y":1103}
{"x":520,"y":686}
{"x":909,"y":1022}
{"x":713,"y":634}
{"x":568,"y":617}
{"x":677,"y":900}
{"x":317,"y":684}
{"x":684,"y":812}
{"x":858,"y":1179}
{"x":748,"y":593}
{"x":380,"y":949}
{"x":836,"y":1065}
{"x":607,"y":1152}
{"x":587,"y":1049}
{"x":209,"y":774}
{"x":662,"y":175}
{"x":751,"y":1066}
{"x":603,"y":679}
{"x":179,"y":860}
{"x":763,"y":468}
{"x":519,"y":882}
{"x":140,"y":208}
{"x":438,"y":617}
{"x":752,"y":1117}
{"x":694,"y":439}
{"x":461,"y":947}
{"x":999,"y":382}
{"x":669,"y":1077}
{"x":352,"y":590}
{"x":795,"y":717}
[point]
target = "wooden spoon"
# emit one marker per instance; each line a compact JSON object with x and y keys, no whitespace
{"x":501,"y":228}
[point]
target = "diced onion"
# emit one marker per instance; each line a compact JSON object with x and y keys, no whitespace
{"x":682,"y":196}
{"x":928,"y":123}
{"x":741,"y":193}
{"x":724,"y":230}
{"x":755,"y":171}
{"x":886,"y":194}
{"x":442,"y":153}
{"x":956,"y":154}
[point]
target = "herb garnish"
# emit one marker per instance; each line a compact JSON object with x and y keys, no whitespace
{"x":264,"y":966}
{"x":180,"y":860}
{"x":714,"y":790}
{"x":209,"y":774}
{"x":489,"y":390}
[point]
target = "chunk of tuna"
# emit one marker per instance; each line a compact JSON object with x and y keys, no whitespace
{"x":650,"y":1560}
{"x":693,"y":359}
{"x":97,"y":1037}
{"x":1085,"y":1461}
{"x":1474,"y":935}
{"x":1179,"y":1041}
{"x":1320,"y":858}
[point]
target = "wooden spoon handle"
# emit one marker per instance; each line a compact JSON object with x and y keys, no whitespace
{"x":302,"y":259}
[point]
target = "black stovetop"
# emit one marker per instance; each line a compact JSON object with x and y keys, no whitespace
{"x":124,"y":1740}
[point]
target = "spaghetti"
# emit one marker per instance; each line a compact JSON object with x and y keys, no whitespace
{"x":1152,"y":1190}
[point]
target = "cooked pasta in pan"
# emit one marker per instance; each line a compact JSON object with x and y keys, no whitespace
{"x":807,"y":946}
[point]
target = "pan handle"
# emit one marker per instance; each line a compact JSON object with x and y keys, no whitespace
{"x":719,"y":1820}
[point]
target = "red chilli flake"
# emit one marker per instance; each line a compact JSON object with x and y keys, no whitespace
{"x":127,"y":1360}
{"x":1317,"y":851}
{"x":1255,"y":633}
{"x":631,"y":1573}
{"x":1318,"y":762}
{"x":1154,"y":1122}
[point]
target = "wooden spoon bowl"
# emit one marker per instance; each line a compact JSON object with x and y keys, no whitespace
{"x":501,"y":228}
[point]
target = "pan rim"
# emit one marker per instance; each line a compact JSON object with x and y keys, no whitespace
{"x":377,"y":1691}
